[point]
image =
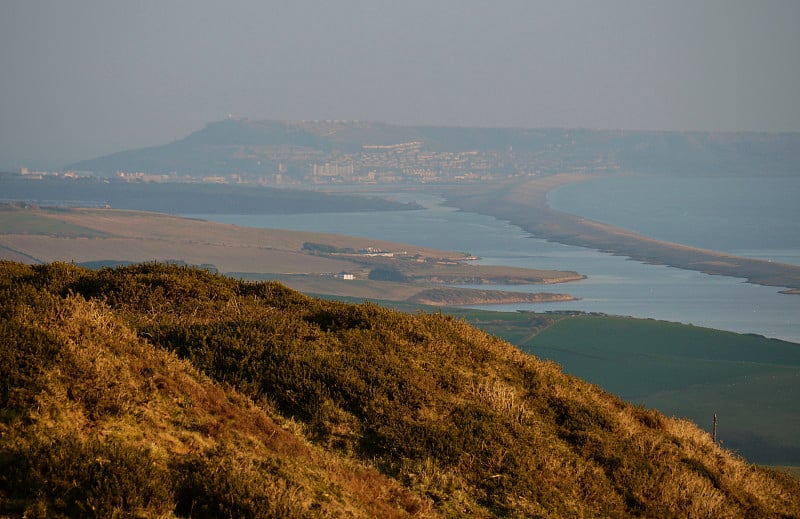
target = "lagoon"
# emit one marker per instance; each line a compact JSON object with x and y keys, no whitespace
{"x":615,"y":285}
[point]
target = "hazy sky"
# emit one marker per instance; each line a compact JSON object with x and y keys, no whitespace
{"x":84,"y":78}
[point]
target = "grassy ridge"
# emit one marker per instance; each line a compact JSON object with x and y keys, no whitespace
{"x":165,"y":391}
{"x":751,"y":382}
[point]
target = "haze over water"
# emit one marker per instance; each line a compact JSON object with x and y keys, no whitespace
{"x":615,"y":285}
{"x":752,"y":217}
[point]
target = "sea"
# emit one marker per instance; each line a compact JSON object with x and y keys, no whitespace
{"x":751,"y":217}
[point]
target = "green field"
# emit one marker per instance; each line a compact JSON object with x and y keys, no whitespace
{"x":23,"y":222}
{"x":750,"y":382}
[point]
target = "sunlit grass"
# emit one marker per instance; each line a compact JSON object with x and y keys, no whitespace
{"x":156,"y":390}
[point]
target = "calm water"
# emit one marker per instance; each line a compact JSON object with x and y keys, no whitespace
{"x":755,"y":217}
{"x":615,"y":285}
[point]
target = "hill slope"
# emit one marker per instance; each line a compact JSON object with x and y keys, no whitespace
{"x":155,"y":390}
{"x":263,"y":147}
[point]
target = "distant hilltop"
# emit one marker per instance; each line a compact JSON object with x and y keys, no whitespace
{"x":334,"y":151}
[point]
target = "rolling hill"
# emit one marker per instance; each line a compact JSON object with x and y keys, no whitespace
{"x":155,"y":390}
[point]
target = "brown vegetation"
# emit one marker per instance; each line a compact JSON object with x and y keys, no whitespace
{"x":157,"y":390}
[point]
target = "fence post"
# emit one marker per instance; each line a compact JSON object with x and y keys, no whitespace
{"x":714,"y":433}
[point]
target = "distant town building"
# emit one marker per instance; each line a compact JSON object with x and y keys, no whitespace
{"x":332,"y":170}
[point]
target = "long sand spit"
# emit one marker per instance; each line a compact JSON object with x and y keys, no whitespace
{"x":524,"y":203}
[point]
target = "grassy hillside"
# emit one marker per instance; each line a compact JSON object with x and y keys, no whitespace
{"x":749,"y":381}
{"x":157,"y":390}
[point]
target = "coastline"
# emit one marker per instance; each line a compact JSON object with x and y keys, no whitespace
{"x":524,"y":204}
{"x":105,"y":237}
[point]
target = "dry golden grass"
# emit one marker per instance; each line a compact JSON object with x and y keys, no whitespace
{"x":284,"y":405}
{"x":119,"y":388}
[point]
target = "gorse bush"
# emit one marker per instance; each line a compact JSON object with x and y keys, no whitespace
{"x":185,"y":375}
{"x":67,"y":476}
{"x":25,"y":354}
{"x":223,"y":484}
